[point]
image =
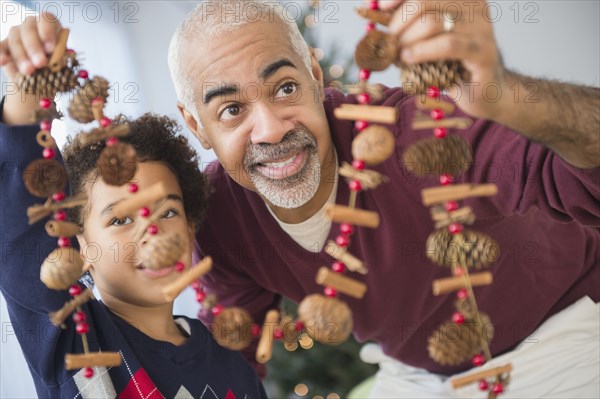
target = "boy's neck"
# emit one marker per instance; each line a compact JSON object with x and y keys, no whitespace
{"x":156,"y":322}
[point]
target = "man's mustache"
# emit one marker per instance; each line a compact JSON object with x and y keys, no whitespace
{"x":296,"y":139}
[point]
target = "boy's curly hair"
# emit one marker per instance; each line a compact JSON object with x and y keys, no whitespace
{"x":155,"y":138}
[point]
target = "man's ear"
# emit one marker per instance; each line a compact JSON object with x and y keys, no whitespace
{"x":317,"y":73}
{"x":194,"y":126}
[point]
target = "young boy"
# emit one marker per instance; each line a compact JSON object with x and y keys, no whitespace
{"x":162,"y":355}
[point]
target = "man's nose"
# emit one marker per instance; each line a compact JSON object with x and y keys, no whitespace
{"x":270,"y":126}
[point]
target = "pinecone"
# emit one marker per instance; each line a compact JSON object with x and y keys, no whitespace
{"x":44,"y":177}
{"x":418,"y":77}
{"x":452,"y":156}
{"x":80,"y":108}
{"x":328,"y":320}
{"x":45,"y":84}
{"x":453,"y":344}
{"x":470,"y":248}
{"x":376,"y":51}
{"x":161,"y":251}
{"x":117,"y":164}
{"x":232,"y":329}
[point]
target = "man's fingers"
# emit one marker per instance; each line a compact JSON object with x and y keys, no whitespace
{"x":32,"y":44}
{"x":48,"y":30}
{"x":18,"y":53}
{"x":449,"y":46}
{"x":388,"y":4}
{"x":421,"y":30}
{"x":4,"y":54}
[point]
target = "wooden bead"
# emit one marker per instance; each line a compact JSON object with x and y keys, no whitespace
{"x":62,"y":268}
{"x":44,"y":177}
{"x":376,"y":51}
{"x":117,"y":164}
{"x":231,"y":329}
{"x":373,"y":145}
{"x":327,"y":320}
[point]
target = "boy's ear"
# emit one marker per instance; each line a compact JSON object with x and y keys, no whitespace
{"x":194,"y":126}
{"x":82,"y":246}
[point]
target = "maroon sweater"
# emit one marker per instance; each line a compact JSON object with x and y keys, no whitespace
{"x":544,"y":219}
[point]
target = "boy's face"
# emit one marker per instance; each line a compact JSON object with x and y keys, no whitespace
{"x":108,"y":243}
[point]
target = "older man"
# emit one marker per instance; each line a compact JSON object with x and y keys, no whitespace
{"x":250,"y":90}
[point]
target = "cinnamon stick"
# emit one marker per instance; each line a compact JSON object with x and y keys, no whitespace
{"x":36,"y":213}
{"x":58,"y":318}
{"x":357,"y":217}
{"x":428,"y":123}
{"x":98,"y":110}
{"x":428,"y":103}
{"x":264,"y":351}
{"x":369,"y":179}
{"x":171,"y":291}
{"x":341,"y":283}
{"x":445,"y":285}
{"x":352,"y":262}
{"x":98,"y":359}
{"x":140,"y":199}
{"x":57,"y":60}
{"x":378,"y":16}
{"x":368,"y":113}
{"x":56,"y":228}
{"x":437,"y":195}
{"x":471,"y":378}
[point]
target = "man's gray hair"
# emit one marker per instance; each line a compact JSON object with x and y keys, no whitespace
{"x":212,"y":17}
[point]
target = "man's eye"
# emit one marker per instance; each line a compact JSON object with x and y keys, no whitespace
{"x":287,"y":89}
{"x":121,"y":222}
{"x":230,"y":112}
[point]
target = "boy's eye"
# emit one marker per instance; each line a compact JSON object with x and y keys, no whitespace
{"x":230,"y":112}
{"x":121,"y":222}
{"x":287,"y":89}
{"x":170,"y":213}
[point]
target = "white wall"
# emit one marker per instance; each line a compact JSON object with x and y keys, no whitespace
{"x":551,"y":38}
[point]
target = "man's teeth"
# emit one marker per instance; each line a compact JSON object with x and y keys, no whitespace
{"x":280,"y":164}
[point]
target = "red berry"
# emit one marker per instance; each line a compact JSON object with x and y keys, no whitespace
{"x":105,"y":122}
{"x":299,"y":325}
{"x":278,"y":333}
{"x":48,"y":153}
{"x":196,"y":285}
{"x":364,"y":74}
{"x":217,"y":310}
{"x":64,"y":242}
{"x":70,"y":51}
{"x":451,"y":206}
{"x":83,"y":74}
{"x":330,"y":292}
{"x":462,"y":293}
{"x":358,"y":164}
{"x":60,"y":215}
{"x":88,"y":372}
{"x":45,"y":103}
{"x":458,"y":318}
{"x":338,"y":267}
{"x":179,"y":266}
{"x":342,"y":240}
{"x":455,"y":228}
{"x":200,"y":296}
{"x":355,"y":185}
{"x":97,"y":101}
{"x":361,"y":125}
{"x":82,"y":328}
{"x":374,"y":5}
{"x":144,"y":212}
{"x":370,"y":27}
{"x":79,"y":317}
{"x":433,"y":92}
{"x":111,"y":141}
{"x":446,"y":179}
{"x":458,"y":271}
{"x":133,"y":188}
{"x":152,"y":230}
{"x":483,"y":385}
{"x":437,"y":114}
{"x":497,"y":388}
{"x":255,"y":330}
{"x":74,"y":290}
{"x":46,"y":125}
{"x":478,"y":360}
{"x":440,"y":132}
{"x":363,"y":98}
{"x":58,"y":197}
{"x":346,"y":228}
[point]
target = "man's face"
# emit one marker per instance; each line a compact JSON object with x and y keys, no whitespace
{"x":108,"y":242}
{"x":262,"y":113}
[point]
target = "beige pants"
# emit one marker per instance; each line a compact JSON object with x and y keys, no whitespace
{"x":561,"y":359}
